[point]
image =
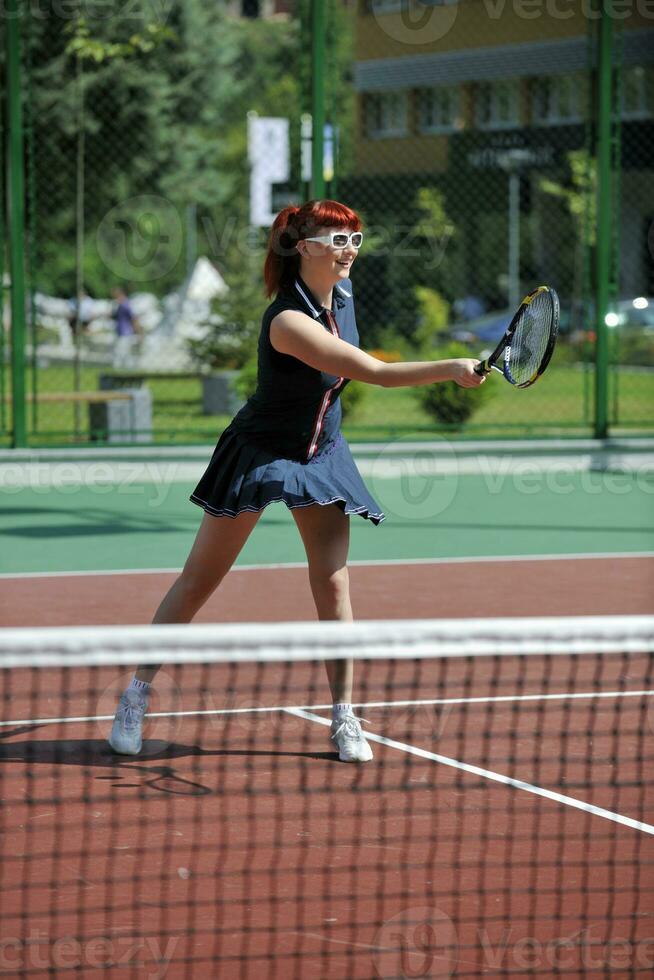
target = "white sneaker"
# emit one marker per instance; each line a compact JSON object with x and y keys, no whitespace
{"x":350,"y":740}
{"x":127,"y":730}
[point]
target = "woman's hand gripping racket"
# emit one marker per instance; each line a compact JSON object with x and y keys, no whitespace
{"x":527,"y":345}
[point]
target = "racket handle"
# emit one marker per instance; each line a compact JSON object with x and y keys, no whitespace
{"x":482,"y":368}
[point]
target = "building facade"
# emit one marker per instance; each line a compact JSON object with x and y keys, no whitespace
{"x":458,"y":94}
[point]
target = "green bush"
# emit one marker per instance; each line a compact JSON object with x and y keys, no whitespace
{"x":633,"y":346}
{"x":434,"y":317}
{"x":446,"y":401}
{"x":246,"y":381}
{"x":351,"y":397}
{"x":391,"y":346}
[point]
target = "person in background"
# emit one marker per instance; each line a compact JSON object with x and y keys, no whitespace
{"x":128,"y":328}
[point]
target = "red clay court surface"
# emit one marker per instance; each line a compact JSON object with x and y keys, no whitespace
{"x":555,"y":587}
{"x":238,"y":846}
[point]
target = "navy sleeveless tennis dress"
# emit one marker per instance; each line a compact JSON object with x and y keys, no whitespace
{"x":285,"y":443}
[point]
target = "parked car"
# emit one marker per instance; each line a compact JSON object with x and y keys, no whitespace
{"x":489,"y":329}
{"x":637,"y":313}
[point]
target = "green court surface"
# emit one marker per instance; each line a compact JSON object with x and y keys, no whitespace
{"x":66,"y":515}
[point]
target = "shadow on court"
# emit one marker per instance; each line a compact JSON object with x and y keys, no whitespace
{"x":90,"y":753}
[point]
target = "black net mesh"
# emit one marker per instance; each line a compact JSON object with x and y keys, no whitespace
{"x":503,"y":827}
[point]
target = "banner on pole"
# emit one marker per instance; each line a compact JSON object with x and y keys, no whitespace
{"x":329,"y":148}
{"x":268,"y":155}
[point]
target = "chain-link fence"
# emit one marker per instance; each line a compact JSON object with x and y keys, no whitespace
{"x":475,"y":165}
{"x":465,"y":133}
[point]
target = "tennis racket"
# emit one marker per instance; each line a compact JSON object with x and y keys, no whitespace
{"x":527,"y":346}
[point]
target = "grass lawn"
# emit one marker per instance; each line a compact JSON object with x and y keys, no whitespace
{"x":560,"y":403}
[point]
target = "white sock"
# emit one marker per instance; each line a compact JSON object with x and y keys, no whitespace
{"x":141,"y":687}
{"x":340,"y":710}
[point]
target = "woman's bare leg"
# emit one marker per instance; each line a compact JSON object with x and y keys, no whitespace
{"x":217,"y":545}
{"x":325,"y":532}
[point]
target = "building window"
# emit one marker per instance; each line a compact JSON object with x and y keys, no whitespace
{"x":386,"y":114}
{"x":497,"y":104}
{"x":440,"y":109}
{"x":558,"y":99}
{"x":637,"y":92}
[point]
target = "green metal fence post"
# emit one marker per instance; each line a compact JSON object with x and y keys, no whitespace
{"x":317,"y":98}
{"x":16,"y":224}
{"x":604,"y":217}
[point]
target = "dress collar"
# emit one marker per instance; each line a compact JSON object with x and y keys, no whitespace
{"x":339,"y":295}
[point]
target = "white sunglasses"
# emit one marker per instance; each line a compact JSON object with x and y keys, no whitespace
{"x":340,"y":239}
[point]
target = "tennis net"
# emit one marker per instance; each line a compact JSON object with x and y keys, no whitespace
{"x":505,"y":826}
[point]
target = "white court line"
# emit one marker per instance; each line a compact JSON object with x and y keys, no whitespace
{"x":498,"y":699}
{"x":204,"y":450}
{"x":496,"y":777}
{"x":362,"y":562}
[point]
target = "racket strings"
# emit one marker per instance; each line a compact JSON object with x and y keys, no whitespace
{"x":530,"y":342}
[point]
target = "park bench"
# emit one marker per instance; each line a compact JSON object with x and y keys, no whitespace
{"x":124,"y":415}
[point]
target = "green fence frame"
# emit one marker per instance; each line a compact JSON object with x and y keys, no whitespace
{"x":16,"y":223}
{"x":21,"y":424}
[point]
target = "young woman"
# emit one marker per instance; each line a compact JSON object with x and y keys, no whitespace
{"x":285,"y":444}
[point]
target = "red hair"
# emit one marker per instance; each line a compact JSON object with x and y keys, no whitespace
{"x":290,"y":226}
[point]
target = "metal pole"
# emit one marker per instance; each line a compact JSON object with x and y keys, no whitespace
{"x":317,"y":97}
{"x":16,"y":225}
{"x":514,"y":239}
{"x":604,"y":219}
{"x":79,"y":245}
{"x":191,"y":238}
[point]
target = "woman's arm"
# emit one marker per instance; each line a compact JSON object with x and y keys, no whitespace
{"x":298,"y":335}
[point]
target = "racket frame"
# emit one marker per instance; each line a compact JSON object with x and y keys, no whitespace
{"x":505,"y":343}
